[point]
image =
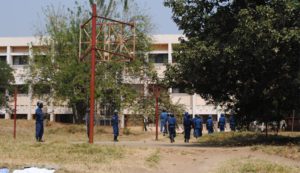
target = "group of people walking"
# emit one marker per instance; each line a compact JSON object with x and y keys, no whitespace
{"x":168,"y":124}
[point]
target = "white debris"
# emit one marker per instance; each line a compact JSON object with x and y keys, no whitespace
{"x":34,"y":170}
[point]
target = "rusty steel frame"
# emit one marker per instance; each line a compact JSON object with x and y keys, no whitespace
{"x":93,"y":49}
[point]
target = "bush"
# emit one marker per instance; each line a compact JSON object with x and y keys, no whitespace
{"x":127,"y":131}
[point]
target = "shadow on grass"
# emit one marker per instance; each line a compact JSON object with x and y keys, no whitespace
{"x":236,"y":139}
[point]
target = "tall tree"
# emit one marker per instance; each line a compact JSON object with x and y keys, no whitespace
{"x":242,"y":54}
{"x":6,"y":78}
{"x":58,"y":65}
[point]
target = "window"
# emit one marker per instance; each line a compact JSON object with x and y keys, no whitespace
{"x":3,"y":59}
{"x":177,"y":90}
{"x":20,"y":60}
{"x":21,"y":89}
{"x":158,"y":58}
{"x":41,"y":89}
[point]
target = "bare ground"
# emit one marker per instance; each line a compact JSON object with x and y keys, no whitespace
{"x":66,"y":149}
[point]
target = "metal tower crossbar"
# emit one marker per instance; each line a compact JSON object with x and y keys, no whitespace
{"x":107,"y":40}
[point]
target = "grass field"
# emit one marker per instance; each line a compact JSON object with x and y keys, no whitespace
{"x":60,"y":149}
{"x":254,"y":166}
{"x":66,"y":149}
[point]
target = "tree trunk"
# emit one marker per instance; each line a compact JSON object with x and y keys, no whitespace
{"x":75,"y":114}
{"x":266,"y":128}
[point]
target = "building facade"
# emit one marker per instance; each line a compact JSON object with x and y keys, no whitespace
{"x":17,"y":51}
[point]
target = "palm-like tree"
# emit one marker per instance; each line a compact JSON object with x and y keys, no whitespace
{"x":107,"y":6}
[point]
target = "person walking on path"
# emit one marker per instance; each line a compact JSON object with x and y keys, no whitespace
{"x":187,"y":123}
{"x":232,"y":123}
{"x":172,"y":126}
{"x":222,"y":122}
{"x":198,"y":126}
{"x":163,"y":121}
{"x":210,"y":125}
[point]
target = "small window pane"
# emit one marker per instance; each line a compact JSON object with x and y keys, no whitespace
{"x":158,"y":58}
{"x":3,"y":59}
{"x":20,"y":60}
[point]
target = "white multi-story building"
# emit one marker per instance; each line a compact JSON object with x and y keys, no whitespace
{"x":16,"y":51}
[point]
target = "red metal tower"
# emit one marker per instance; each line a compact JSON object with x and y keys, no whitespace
{"x":108,"y":40}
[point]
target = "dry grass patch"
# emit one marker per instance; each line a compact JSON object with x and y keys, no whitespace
{"x":255,"y":166}
{"x":153,"y":159}
{"x":290,"y":151}
{"x":232,"y":139}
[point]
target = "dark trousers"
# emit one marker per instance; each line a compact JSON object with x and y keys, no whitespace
{"x":39,"y":130}
{"x":232,"y":127}
{"x":172,"y":132}
{"x":210,"y":129}
{"x":187,"y":133}
{"x":197,"y":132}
{"x":116,"y":132}
{"x":222,"y":128}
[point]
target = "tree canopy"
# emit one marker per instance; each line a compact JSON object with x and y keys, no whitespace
{"x":241,"y":54}
{"x":58,"y":65}
{"x":6,"y":78}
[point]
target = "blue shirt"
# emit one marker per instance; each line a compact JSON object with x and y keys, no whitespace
{"x":187,"y":122}
{"x":172,"y":121}
{"x":209,"y":122}
{"x":164,"y":116}
{"x":115,"y":120}
{"x":39,"y":115}
{"x":222,"y":120}
{"x":198,"y":123}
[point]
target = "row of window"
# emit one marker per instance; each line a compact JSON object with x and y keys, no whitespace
{"x":154,"y":58}
{"x":24,"y":89}
{"x":161,"y":58}
{"x":17,"y":60}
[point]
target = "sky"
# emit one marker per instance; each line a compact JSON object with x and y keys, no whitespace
{"x":19,"y":18}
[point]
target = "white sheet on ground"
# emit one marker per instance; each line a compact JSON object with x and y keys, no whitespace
{"x":34,"y":170}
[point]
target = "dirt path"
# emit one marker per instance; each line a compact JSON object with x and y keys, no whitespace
{"x":180,"y":157}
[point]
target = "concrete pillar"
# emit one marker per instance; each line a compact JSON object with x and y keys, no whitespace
{"x":7,"y":116}
{"x":10,"y":62}
{"x":194,"y":104}
{"x":170,"y":53}
{"x":122,"y":121}
{"x":29,"y":113}
{"x":52,"y":115}
{"x":9,"y":58}
{"x":219,"y":115}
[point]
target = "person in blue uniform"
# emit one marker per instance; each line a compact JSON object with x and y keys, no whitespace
{"x":39,"y":122}
{"x":172,"y":126}
{"x":187,"y":123}
{"x":115,"y":125}
{"x":163,"y":121}
{"x":222,"y":122}
{"x":210,"y":125}
{"x":232,"y":123}
{"x":198,"y":126}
